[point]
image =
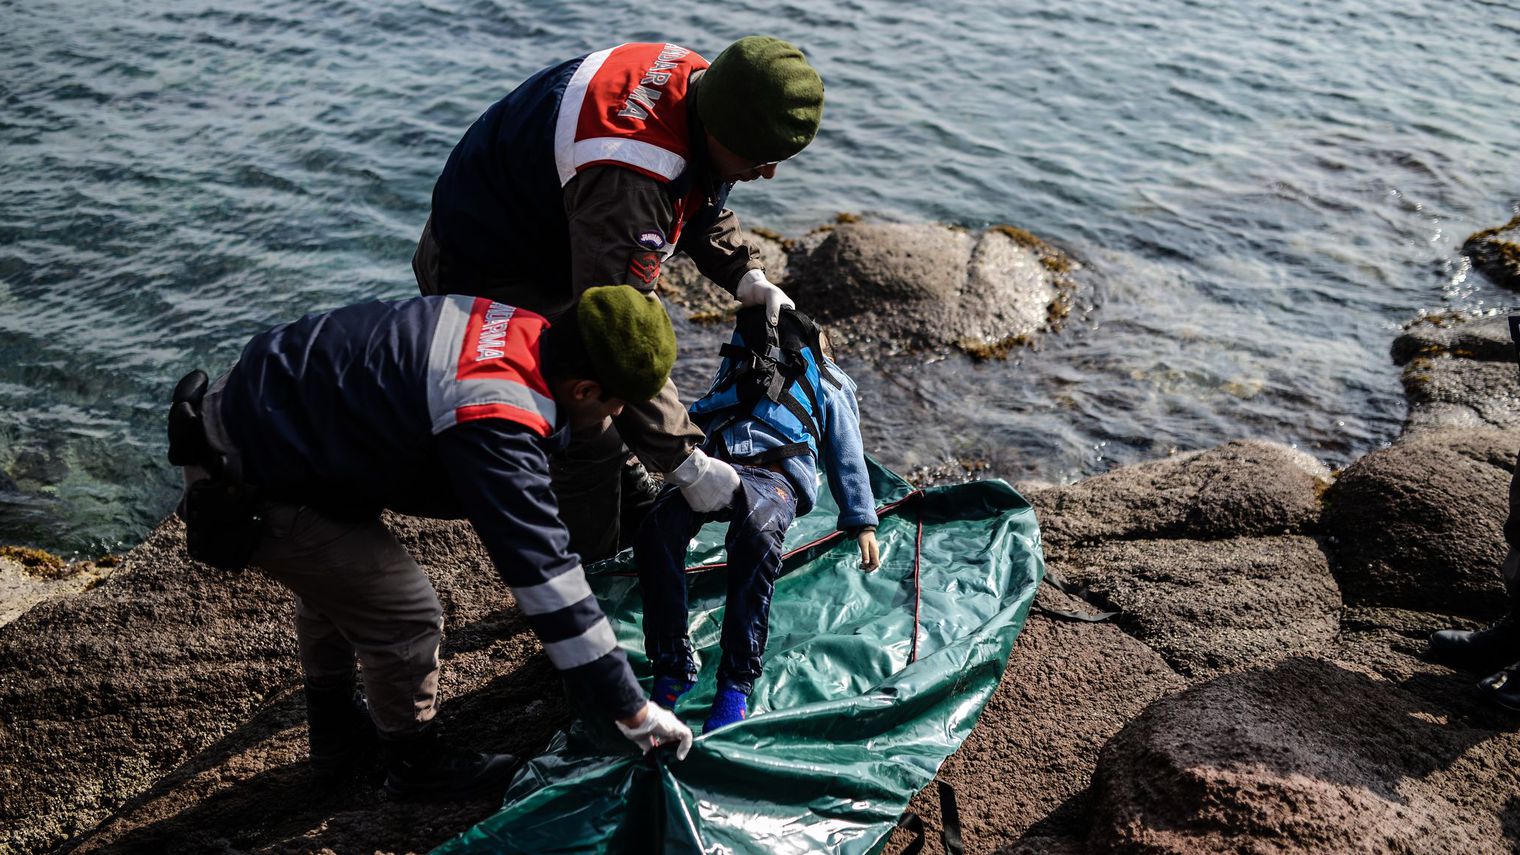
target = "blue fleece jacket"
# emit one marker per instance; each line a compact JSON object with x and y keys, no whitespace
{"x":844,"y":456}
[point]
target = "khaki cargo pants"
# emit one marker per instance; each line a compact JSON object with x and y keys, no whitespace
{"x":359,"y":593}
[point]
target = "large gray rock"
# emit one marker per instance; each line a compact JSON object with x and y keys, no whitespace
{"x":1241,"y":489}
{"x":1211,"y":606}
{"x":925,"y":285}
{"x":1305,"y":756}
{"x":1069,"y":686}
{"x":1496,"y":252}
{"x":1450,"y":392}
{"x":859,"y":266}
{"x":1420,"y":524}
{"x":1483,"y":339}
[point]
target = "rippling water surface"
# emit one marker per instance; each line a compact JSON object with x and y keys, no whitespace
{"x":1262,"y":195}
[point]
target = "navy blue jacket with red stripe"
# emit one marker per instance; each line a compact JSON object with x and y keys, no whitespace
{"x":433,"y":407}
{"x":498,"y":204}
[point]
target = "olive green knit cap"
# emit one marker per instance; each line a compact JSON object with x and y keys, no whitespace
{"x":628,"y":337}
{"x":761,"y":99}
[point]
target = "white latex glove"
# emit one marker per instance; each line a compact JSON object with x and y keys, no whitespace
{"x":755,"y":290}
{"x":708,"y":484}
{"x":660,"y":726}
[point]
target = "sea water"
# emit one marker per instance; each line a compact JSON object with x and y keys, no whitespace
{"x":1261,"y":194}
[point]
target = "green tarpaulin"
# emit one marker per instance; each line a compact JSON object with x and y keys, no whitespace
{"x":871,"y":680}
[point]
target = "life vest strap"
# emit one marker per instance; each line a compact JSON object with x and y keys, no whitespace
{"x":770,"y":455}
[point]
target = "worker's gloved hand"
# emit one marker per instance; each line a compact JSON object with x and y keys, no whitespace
{"x":707,"y":484}
{"x":755,"y":290}
{"x":658,"y":727}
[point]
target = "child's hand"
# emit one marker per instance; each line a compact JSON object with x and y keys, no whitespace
{"x":870,"y":553}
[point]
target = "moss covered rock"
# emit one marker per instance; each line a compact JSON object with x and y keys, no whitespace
{"x":927,"y":286}
{"x":1496,"y":252}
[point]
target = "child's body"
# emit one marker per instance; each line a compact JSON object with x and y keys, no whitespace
{"x":775,"y":444}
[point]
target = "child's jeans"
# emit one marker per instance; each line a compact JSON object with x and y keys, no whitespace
{"x":761,"y":514}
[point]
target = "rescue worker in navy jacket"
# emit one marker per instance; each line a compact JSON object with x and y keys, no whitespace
{"x":441,"y":407}
{"x":597,"y":170}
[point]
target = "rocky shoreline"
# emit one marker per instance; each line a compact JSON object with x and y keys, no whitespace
{"x":1262,"y":687}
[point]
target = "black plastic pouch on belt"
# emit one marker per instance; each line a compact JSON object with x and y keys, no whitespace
{"x":187,"y":432}
{"x":222,"y":521}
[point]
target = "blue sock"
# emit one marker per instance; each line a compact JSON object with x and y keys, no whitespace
{"x":730,"y":706}
{"x":667,"y":690}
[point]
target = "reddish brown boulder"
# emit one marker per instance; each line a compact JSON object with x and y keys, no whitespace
{"x":1211,"y":606}
{"x":1419,"y":524}
{"x":1305,"y":756}
{"x":1240,"y":489}
{"x":1069,"y":687}
{"x":166,"y":702}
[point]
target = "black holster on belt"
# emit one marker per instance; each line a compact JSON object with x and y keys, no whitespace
{"x":222,"y":520}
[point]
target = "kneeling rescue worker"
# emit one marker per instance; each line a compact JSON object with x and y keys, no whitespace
{"x":440,"y":407}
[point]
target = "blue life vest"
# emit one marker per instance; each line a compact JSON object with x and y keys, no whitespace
{"x":774,"y":374}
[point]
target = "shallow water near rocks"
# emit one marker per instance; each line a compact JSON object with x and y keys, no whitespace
{"x":1260,"y":195}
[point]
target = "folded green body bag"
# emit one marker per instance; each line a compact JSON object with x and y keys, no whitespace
{"x":871,"y":680}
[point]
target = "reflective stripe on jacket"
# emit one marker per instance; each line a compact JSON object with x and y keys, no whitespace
{"x":483,"y":364}
{"x":434,"y":407}
{"x":498,"y":203}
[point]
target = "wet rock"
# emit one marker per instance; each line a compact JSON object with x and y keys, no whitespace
{"x":1306,"y":755}
{"x":1241,"y":489}
{"x":1420,"y":524}
{"x":925,"y":285}
{"x":1211,"y":606}
{"x":1448,"y":392}
{"x":28,"y":577}
{"x":1496,"y":252}
{"x":39,"y":467}
{"x":1483,"y":339}
{"x":1025,"y":769}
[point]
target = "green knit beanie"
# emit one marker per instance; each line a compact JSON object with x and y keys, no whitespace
{"x":761,"y":99}
{"x":629,"y":339}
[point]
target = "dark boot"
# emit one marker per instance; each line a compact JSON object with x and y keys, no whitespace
{"x":340,"y":733}
{"x":1478,"y":650}
{"x":418,"y":764}
{"x":1503,"y":688}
